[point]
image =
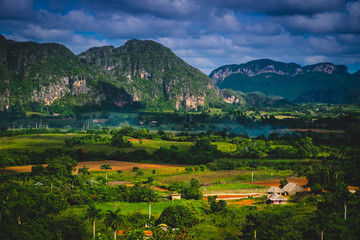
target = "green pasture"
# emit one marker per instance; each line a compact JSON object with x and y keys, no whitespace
{"x":40,"y":114}
{"x":224,"y":176}
{"x":142,"y":207}
{"x":41,"y":142}
{"x":223,"y":179}
{"x":225,"y":147}
{"x":152,"y":145}
{"x":230,"y":186}
{"x":34,"y":142}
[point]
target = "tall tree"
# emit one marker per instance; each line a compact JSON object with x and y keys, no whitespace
{"x":84,"y":170}
{"x":253,"y":165}
{"x":150,"y":196}
{"x":93,"y":213}
{"x":321,"y":222}
{"x":254,"y":220}
{"x":114,"y":219}
{"x":106,"y":166}
{"x":61,"y":166}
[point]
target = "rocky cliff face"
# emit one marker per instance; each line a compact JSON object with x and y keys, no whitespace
{"x":150,"y":72}
{"x":44,"y":74}
{"x":55,"y":91}
{"x":254,"y":68}
{"x":263,"y":66}
{"x":328,"y":68}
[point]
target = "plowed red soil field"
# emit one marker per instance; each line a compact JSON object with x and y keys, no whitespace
{"x":276,"y":183}
{"x":115,"y":165}
{"x":242,"y":202}
{"x":233,"y":196}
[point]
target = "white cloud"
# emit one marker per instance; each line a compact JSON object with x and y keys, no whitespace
{"x":315,"y":59}
{"x":38,"y":32}
{"x":79,"y":43}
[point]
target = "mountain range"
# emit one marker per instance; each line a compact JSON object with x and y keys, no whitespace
{"x":145,"y":74}
{"x":322,"y":82}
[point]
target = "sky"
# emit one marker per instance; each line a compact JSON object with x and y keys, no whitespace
{"x":205,"y":33}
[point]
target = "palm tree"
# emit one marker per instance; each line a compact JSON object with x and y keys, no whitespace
{"x":74,"y":180}
{"x":253,"y":166}
{"x":150,"y":196}
{"x":105,"y":166}
{"x":84,"y":170}
{"x":254,"y":220}
{"x":113,"y":219}
{"x":93,"y":213}
{"x":51,"y":178}
{"x":322,"y":220}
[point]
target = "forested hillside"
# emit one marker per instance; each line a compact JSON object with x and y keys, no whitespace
{"x":290,"y":81}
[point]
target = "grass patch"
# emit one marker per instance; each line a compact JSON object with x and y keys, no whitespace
{"x":40,"y":114}
{"x":283,"y":116}
{"x":205,"y":178}
{"x":225,"y":147}
{"x":230,"y":186}
{"x":223,"y":176}
{"x":143,"y":207}
{"x":41,"y":142}
{"x":152,"y":145}
{"x":37,"y":142}
{"x":261,"y":175}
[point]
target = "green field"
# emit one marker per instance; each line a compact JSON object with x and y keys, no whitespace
{"x":223,"y":176}
{"x":225,"y":147}
{"x":231,"y":186}
{"x":142,"y":207}
{"x":41,"y":142}
{"x":36,"y":142}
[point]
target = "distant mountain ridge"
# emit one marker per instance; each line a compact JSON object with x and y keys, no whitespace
{"x":288,"y":80}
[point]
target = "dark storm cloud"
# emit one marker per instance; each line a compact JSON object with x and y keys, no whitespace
{"x":179,"y":9}
{"x":206,"y":33}
{"x":15,"y":9}
{"x":281,"y":7}
{"x":346,"y":21}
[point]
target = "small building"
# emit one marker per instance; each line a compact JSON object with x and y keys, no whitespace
{"x":276,"y":199}
{"x":275,"y":190}
{"x":148,"y":234}
{"x":292,"y":188}
{"x":175,"y":196}
{"x":163,"y":226}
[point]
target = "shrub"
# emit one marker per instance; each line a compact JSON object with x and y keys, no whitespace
{"x":202,"y":168}
{"x":150,"y":180}
{"x":216,"y":206}
{"x":184,"y":215}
